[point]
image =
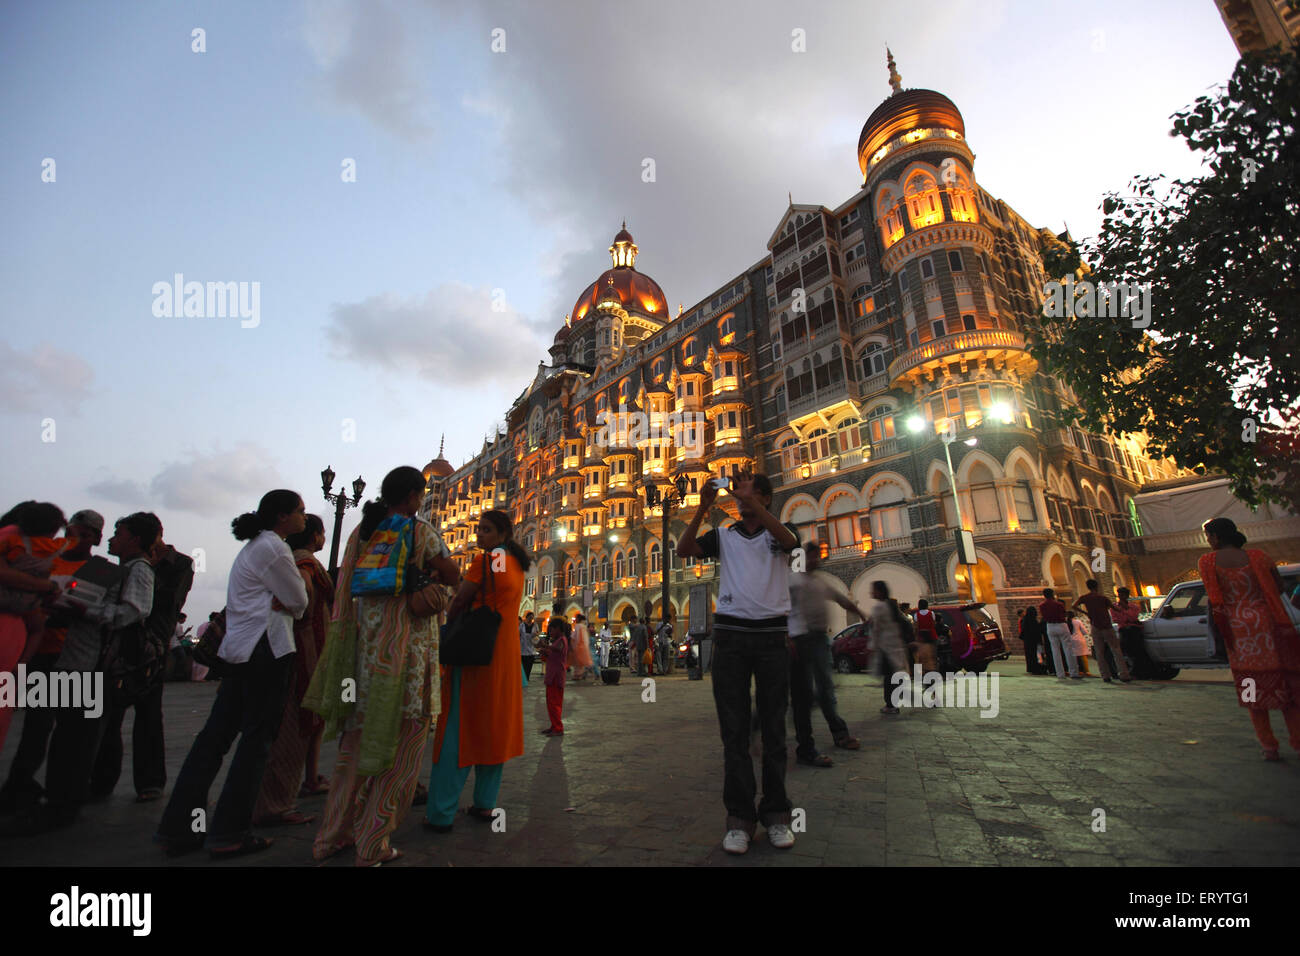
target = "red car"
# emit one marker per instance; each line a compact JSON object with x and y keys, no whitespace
{"x":973,"y":641}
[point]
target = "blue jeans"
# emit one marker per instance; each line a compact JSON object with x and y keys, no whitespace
{"x":738,"y":658}
{"x":811,"y":680}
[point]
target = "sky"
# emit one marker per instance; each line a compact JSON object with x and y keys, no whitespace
{"x":414,"y":194}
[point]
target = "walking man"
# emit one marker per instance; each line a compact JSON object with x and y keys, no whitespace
{"x":810,"y":660}
{"x":1098,"y":609}
{"x":640,"y":637}
{"x":750,"y":635}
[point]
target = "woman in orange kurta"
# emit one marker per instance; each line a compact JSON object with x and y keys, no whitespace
{"x":482,"y":720}
{"x":1244,"y":592}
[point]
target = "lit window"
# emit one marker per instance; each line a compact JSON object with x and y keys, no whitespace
{"x":922,"y":194}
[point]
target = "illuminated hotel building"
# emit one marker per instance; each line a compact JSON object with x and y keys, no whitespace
{"x":907,"y":302}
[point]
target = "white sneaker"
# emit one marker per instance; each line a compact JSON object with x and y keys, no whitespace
{"x":779,"y":835}
{"x":736,"y":841}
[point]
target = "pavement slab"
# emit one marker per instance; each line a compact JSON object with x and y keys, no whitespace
{"x":1171,"y":768}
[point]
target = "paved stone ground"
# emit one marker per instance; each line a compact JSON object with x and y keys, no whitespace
{"x":1174,"y":765}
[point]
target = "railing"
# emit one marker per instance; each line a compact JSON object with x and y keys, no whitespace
{"x":876,"y":383}
{"x":886,"y":447}
{"x":958,"y":342}
{"x":991,"y":527}
{"x":826,"y":466}
{"x":901,"y":543}
{"x":828,"y":395}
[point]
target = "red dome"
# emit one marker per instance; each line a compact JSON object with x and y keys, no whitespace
{"x":637,"y":293}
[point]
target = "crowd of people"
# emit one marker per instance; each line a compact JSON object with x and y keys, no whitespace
{"x":366,"y":660}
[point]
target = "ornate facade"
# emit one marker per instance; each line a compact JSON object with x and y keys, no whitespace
{"x":832,"y":364}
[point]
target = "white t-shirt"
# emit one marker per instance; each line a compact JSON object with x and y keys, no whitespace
{"x":755,"y":573}
{"x":262,"y":570}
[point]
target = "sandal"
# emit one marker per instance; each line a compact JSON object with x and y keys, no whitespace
{"x":148,"y":796}
{"x":322,"y":785}
{"x":848,"y":743}
{"x":251,"y":844}
{"x":290,"y":818}
{"x":478,"y":813}
{"x":393,"y":855}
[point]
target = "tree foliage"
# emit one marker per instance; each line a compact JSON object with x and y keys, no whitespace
{"x":1220,"y":252}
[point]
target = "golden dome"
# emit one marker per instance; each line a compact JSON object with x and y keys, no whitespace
{"x":636,"y":292}
{"x":904,"y":111}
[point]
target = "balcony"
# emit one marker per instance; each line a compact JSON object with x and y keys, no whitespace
{"x":994,"y":343}
{"x":887,"y":447}
{"x":900,"y":543}
{"x":823,"y":398}
{"x":827,"y":466}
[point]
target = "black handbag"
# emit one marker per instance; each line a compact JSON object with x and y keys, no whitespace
{"x":470,"y":638}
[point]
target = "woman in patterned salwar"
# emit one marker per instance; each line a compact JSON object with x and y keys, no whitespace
{"x":482,"y":720}
{"x":377,"y":684}
{"x":297,"y":743}
{"x":1244,"y":591}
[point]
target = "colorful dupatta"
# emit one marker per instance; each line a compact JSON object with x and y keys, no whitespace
{"x":376,"y":699}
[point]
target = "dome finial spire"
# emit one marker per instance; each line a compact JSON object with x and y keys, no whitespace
{"x":442,"y":444}
{"x":895,"y":80}
{"x":623,"y":251}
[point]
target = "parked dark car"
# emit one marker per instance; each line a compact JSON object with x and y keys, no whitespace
{"x":849,"y":649}
{"x":974,"y":639}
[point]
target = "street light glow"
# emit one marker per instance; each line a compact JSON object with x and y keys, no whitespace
{"x":915,"y":424}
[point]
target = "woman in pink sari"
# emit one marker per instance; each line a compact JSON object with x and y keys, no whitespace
{"x":1244,"y":593}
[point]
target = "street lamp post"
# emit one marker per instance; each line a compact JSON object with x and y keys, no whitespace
{"x":915,"y":425}
{"x":669,"y":499}
{"x":949,"y":435}
{"x":341,"y":503}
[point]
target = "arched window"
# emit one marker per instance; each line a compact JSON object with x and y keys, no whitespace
{"x":888,"y":509}
{"x":1023,"y":495}
{"x":874,"y":359}
{"x":631,"y":562}
{"x":849,"y":433}
{"x":880,"y":422}
{"x":818,"y":444}
{"x":923,"y":206}
{"x":604,"y":568}
{"x":582,"y":573}
{"x":891,"y":226}
{"x":535,"y":426}
{"x":654,"y":557}
{"x":961,"y":198}
{"x":984,"y":495}
{"x":620,"y":565}
{"x":842,"y":521}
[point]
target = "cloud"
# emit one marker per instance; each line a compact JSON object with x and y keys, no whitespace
{"x":43,"y":379}
{"x":731,"y":115}
{"x":368,"y":66}
{"x":450,"y":335}
{"x":218,"y":484}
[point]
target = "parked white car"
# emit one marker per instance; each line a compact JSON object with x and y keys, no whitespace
{"x":1179,"y":633}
